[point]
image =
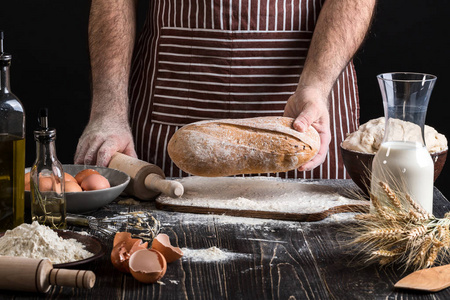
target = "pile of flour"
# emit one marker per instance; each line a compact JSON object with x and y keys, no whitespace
{"x":209,"y":254}
{"x":39,"y":241}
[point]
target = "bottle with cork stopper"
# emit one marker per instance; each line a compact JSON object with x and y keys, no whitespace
{"x":48,"y":202}
{"x":12,"y":149}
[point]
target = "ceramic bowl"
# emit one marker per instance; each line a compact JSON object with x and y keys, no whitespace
{"x":359,"y":166}
{"x":87,"y":201}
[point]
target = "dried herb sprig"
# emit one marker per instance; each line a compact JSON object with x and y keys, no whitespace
{"x":397,"y":230}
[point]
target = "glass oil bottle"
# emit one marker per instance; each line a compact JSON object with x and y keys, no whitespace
{"x":12,"y":149}
{"x":48,"y":202}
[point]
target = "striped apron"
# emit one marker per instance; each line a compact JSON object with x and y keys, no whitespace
{"x":212,"y":59}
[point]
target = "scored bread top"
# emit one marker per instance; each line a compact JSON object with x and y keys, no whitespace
{"x":276,"y":124}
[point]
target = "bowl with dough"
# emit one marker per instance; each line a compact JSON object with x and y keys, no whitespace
{"x":359,"y":149}
{"x":87,"y":201}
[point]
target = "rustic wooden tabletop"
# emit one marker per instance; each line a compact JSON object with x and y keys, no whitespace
{"x":260,"y":259}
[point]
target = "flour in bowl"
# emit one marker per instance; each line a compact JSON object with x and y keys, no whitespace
{"x":39,"y":241}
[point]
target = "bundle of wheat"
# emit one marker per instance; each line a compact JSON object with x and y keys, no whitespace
{"x":397,"y":230}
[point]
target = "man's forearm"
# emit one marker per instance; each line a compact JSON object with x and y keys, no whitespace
{"x":112,"y":26}
{"x":340,"y":30}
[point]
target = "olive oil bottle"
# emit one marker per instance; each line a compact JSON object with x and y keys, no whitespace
{"x":48,"y":201}
{"x":12,"y":149}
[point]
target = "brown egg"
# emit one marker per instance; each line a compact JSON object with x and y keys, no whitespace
{"x":27,"y":177}
{"x":124,"y":247}
{"x":148,"y":265}
{"x":72,"y":187}
{"x":162,"y":243}
{"x":83,"y":174}
{"x":95,"y":182}
{"x":45,"y":184}
{"x":68,"y":177}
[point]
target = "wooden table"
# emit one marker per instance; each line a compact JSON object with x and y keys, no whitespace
{"x":269,"y":259}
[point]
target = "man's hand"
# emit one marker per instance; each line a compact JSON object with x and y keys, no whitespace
{"x":112,"y":26}
{"x":340,"y":30}
{"x":101,"y":139}
{"x":309,"y":107}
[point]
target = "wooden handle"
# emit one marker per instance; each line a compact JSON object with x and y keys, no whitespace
{"x":170,"y":188}
{"x":34,"y":275}
{"x":138,"y":171}
{"x":430,"y":280}
{"x":74,"y":278}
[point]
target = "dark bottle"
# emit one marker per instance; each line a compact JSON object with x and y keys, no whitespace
{"x":12,"y":149}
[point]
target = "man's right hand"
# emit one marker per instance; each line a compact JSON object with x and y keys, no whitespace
{"x":101,"y":139}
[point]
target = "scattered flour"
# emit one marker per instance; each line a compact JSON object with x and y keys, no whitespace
{"x":39,"y":241}
{"x":209,"y":254}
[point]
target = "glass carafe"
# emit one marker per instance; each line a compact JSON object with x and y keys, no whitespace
{"x":403,"y":161}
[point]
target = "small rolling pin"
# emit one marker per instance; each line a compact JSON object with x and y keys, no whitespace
{"x":37,"y":275}
{"x":147,"y":180}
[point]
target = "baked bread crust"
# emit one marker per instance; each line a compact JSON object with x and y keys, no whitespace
{"x":242,"y":146}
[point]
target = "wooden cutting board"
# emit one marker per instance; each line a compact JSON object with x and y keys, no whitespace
{"x":264,"y":197}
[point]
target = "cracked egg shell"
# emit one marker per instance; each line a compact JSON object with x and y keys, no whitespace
{"x":147,"y":266}
{"x":121,"y":237}
{"x":162,"y":244}
{"x":123,"y":249}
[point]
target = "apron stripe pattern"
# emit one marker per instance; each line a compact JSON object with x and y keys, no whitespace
{"x":211,"y":59}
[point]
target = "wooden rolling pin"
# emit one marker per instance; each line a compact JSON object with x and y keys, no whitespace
{"x":37,"y":275}
{"x":147,"y":180}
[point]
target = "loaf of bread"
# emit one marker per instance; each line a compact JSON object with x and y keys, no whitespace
{"x":242,"y":146}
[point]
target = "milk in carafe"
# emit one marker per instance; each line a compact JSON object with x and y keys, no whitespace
{"x":405,"y":166}
{"x":403,"y":161}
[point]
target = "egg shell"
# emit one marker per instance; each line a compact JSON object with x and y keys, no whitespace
{"x":121,"y":237}
{"x":147,"y":266}
{"x":83,"y":174}
{"x":120,"y":257}
{"x":72,"y":187}
{"x":94,"y":182}
{"x":162,"y":244}
{"x":68,"y":177}
{"x":123,"y":247}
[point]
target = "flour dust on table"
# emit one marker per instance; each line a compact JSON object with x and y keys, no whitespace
{"x":263,"y":194}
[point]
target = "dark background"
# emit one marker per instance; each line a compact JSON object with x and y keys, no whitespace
{"x":48,"y":41}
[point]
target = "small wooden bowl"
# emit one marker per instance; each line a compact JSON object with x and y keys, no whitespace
{"x":359,"y":166}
